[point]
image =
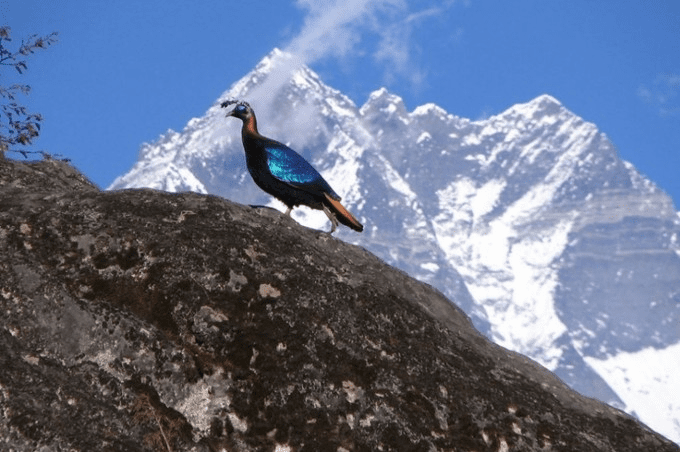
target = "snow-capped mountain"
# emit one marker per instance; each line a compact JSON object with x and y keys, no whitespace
{"x":529,"y":220}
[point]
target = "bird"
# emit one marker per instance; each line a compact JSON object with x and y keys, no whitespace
{"x":285,"y":174}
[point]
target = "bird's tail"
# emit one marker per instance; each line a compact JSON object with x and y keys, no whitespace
{"x":343,"y":215}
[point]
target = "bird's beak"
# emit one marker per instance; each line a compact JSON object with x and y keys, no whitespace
{"x":227,"y":103}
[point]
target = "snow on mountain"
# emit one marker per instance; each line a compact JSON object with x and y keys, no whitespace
{"x":529,"y":220}
{"x":639,"y":376}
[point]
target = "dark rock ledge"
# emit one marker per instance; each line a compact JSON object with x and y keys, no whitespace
{"x":144,"y":320}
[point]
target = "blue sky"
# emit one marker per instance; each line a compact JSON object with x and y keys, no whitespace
{"x":123,"y":72}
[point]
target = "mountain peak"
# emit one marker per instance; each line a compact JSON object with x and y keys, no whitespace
{"x":276,"y":52}
{"x":545,"y":99}
{"x":273,"y":59}
{"x":543,"y":105}
{"x":277,"y":61}
{"x":381,"y":100}
{"x":383,"y":95}
{"x":429,"y":108}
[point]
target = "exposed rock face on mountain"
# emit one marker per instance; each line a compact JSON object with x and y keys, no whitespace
{"x":553,"y":245}
{"x":145,"y":320}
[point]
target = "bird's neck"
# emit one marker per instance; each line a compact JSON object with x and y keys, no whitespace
{"x":250,"y":127}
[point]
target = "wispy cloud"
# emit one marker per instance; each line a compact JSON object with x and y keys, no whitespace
{"x":662,"y":94}
{"x":382,"y":29}
{"x":334,"y":28}
{"x":395,"y":46}
{"x":347,"y":29}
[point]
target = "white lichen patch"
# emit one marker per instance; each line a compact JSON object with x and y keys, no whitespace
{"x":366,"y":421}
{"x":236,"y":281}
{"x":254,"y":357}
{"x":252,"y":254}
{"x":208,"y":315}
{"x":105,"y":359}
{"x":353,"y":391}
{"x":184,"y":214}
{"x":268,"y":291}
{"x":516,"y":428}
{"x":239,"y":424}
{"x":205,"y":399}
{"x":485,"y":437}
{"x":350,"y":420}
{"x":84,"y":242}
{"x":31,"y":359}
{"x":328,"y":332}
{"x":503,"y":445}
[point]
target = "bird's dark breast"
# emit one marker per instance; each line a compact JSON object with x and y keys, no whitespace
{"x":291,"y":196}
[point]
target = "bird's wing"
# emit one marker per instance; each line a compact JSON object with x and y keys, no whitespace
{"x":290,"y":167}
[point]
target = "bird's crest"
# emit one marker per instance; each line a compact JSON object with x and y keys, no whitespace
{"x":229,"y":102}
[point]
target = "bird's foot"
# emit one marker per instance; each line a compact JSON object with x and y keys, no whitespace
{"x":331,"y":216}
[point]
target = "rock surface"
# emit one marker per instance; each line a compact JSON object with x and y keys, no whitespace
{"x":144,"y":320}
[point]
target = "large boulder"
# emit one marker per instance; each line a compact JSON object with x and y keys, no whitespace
{"x":144,"y":320}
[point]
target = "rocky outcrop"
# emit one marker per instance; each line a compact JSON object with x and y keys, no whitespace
{"x":144,"y":320}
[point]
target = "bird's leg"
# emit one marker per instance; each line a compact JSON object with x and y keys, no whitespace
{"x":287,"y":213}
{"x":331,"y":216}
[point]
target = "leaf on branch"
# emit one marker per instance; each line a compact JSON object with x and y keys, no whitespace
{"x":20,"y":66}
{"x":17,"y":125}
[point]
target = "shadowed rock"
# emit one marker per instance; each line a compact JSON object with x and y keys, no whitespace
{"x":143,"y":320}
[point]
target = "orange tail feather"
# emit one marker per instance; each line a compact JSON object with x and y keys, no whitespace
{"x":343,"y":215}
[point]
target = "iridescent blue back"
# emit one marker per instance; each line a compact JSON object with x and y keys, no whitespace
{"x":288,"y":166}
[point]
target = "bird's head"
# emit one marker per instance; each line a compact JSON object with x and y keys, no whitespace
{"x":242,"y":110}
